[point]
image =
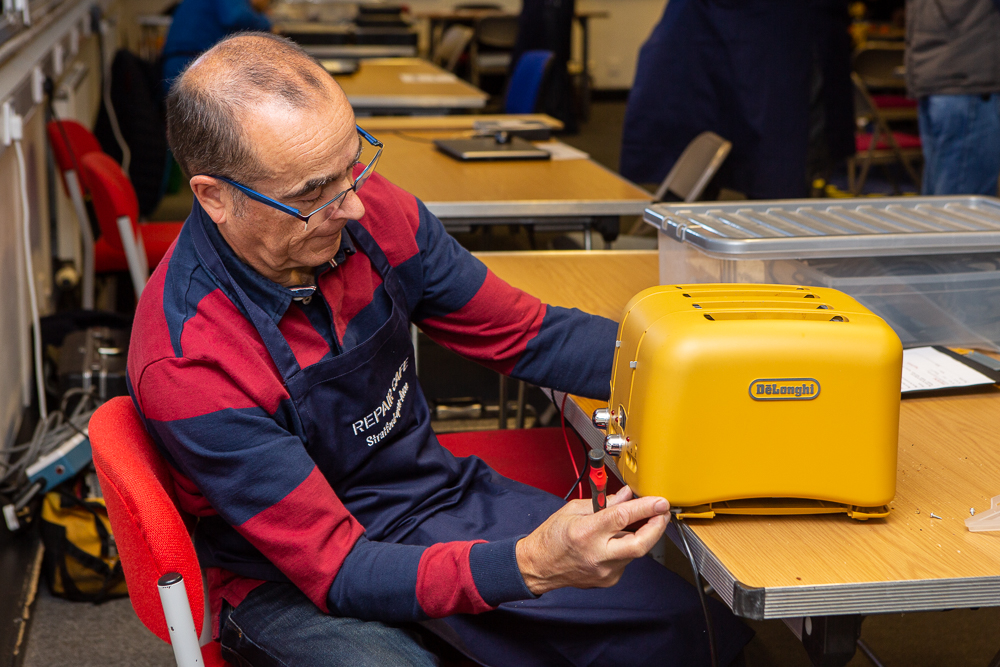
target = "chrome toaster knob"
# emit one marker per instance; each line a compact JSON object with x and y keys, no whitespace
{"x":614,"y":444}
{"x":601,"y":418}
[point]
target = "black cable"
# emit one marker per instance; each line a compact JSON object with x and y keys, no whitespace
{"x":586,"y":461}
{"x":681,"y":528}
{"x":579,"y":480}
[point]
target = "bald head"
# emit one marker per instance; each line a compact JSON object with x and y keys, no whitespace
{"x":213,"y":102}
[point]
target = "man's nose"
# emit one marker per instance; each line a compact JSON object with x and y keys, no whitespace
{"x":352,"y":207}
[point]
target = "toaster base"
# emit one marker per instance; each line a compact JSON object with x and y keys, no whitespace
{"x":778,"y":506}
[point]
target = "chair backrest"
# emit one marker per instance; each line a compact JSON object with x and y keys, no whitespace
{"x":150,"y":533}
{"x":880,"y":65}
{"x":453,"y":43}
{"x":498,"y":32}
{"x":695,"y":167}
{"x":865,"y":108}
{"x":111,"y":193}
{"x":70,"y":141}
{"x":526,"y":82}
{"x":117,"y":211}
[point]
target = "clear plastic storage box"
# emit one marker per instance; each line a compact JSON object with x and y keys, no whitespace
{"x":929,"y":266}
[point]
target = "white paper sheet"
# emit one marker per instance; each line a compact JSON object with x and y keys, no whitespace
{"x":560,"y":151}
{"x":422,"y":77}
{"x":926,"y":369}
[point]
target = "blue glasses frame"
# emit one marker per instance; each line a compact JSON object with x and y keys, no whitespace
{"x":294,"y":212}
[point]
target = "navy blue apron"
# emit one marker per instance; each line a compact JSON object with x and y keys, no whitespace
{"x":404,"y":487}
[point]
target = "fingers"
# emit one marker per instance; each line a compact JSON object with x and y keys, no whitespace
{"x":628,"y":512}
{"x":624,"y":494}
{"x":634,"y":545}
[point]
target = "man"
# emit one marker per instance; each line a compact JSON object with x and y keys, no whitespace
{"x":953,"y":69}
{"x":271,"y":363}
{"x":772,"y":77}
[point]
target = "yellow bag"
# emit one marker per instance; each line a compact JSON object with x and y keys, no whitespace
{"x":81,"y":561}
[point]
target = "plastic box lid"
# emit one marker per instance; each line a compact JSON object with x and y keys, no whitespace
{"x":813,"y":228}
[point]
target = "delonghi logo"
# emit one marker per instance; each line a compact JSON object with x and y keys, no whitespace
{"x":784,"y":389}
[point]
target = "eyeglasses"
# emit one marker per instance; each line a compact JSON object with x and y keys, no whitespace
{"x":335,"y":202}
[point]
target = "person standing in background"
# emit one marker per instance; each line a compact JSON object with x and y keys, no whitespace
{"x":199,"y":25}
{"x":953,"y":69}
{"x":771,"y":76}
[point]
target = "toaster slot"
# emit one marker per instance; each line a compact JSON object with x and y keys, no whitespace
{"x":733,"y":295}
{"x":809,"y":315}
{"x":762,"y":305}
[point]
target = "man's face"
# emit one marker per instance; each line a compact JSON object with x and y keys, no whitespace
{"x":310,"y":154}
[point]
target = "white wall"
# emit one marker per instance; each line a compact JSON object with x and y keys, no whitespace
{"x":16,"y":378}
{"x":615,"y":41}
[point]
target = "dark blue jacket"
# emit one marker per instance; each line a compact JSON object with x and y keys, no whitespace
{"x":198,"y":25}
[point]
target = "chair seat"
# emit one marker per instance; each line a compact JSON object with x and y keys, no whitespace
{"x":211,"y":654}
{"x":894,"y":102}
{"x":536,"y":457}
{"x":863,"y":140}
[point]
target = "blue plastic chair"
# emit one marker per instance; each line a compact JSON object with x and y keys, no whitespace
{"x":526,"y":81}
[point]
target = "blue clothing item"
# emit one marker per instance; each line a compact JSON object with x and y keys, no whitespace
{"x":744,"y":69}
{"x":650,"y":617}
{"x":278,"y":625}
{"x":961,"y":141}
{"x":199,"y":25}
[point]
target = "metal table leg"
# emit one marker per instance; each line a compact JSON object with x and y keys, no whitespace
{"x":503,"y":402}
{"x":520,"y":404}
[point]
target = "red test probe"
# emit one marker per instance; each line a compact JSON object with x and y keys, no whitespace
{"x":598,"y":480}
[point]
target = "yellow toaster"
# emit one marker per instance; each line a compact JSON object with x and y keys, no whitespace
{"x":755,"y":399}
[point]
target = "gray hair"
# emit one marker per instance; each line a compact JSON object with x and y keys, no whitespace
{"x":208,"y":102}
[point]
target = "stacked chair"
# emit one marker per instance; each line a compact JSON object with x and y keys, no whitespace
{"x":124,"y":244}
{"x":879,"y":102}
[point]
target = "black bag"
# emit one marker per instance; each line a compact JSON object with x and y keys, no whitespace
{"x":81,"y":562}
{"x":136,"y":101}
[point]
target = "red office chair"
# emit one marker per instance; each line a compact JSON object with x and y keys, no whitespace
{"x":150,"y":532}
{"x":152,"y":535}
{"x":71,"y":143}
{"x":537,"y":457}
{"x":142,"y":245}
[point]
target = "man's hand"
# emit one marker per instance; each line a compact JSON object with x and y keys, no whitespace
{"x":576,"y":547}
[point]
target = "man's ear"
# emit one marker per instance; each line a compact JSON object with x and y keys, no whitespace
{"x":212,"y":197}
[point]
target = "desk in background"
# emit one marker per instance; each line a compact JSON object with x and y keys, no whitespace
{"x":438,"y":20}
{"x":407,"y":85}
{"x":828,"y":569}
{"x":346,"y":40}
{"x":549,"y":194}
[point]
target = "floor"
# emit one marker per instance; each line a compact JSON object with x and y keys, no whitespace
{"x":80,"y":635}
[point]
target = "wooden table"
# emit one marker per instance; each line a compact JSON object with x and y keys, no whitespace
{"x":577,"y":194}
{"x":829,"y":569}
{"x":407,"y":85}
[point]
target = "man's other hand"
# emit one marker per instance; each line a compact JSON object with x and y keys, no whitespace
{"x":576,"y":547}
